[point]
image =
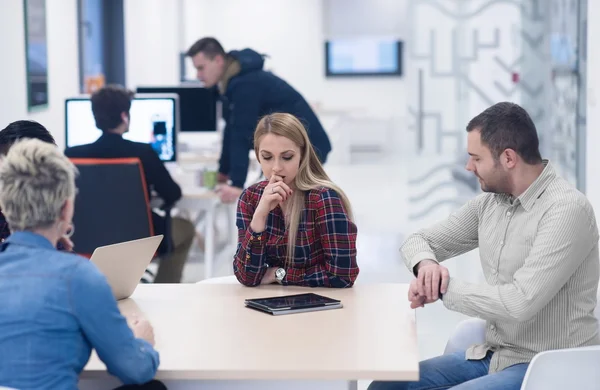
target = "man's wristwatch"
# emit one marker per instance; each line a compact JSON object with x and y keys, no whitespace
{"x":279,"y":275}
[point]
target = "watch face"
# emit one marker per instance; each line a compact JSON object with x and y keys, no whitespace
{"x":280,"y":273}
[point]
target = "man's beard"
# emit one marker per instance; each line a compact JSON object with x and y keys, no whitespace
{"x":496,"y":185}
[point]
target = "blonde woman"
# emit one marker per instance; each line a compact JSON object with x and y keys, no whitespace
{"x":57,"y":306}
{"x":295,"y":228}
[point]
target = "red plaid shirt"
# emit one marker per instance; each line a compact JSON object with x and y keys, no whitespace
{"x":325,"y":254}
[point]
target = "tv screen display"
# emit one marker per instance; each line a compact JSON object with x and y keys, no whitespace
{"x":363,"y":57}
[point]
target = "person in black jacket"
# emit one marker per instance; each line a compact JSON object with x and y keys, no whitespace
{"x":248,"y":93}
{"x":110,"y":106}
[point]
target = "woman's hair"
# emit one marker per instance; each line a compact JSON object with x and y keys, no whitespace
{"x":23,"y":129}
{"x":311,"y":174}
{"x":35,"y":181}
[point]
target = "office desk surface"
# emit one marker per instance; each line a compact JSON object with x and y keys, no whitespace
{"x":198,"y":193}
{"x":190,"y":188}
{"x":204,"y":331}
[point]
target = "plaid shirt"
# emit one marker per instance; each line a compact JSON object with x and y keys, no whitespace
{"x":325,"y":253}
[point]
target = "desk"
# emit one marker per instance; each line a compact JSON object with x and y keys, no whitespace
{"x":196,"y":199}
{"x":203,"y":331}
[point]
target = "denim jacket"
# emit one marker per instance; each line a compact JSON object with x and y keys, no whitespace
{"x":54,"y":308}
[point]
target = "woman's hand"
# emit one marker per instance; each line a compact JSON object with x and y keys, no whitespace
{"x":142,"y":329}
{"x":275,"y":193}
{"x":269,"y":277}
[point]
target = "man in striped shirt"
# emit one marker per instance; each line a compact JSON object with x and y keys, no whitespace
{"x":538,"y":242}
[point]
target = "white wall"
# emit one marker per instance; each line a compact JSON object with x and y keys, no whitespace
{"x":593,"y":107}
{"x":285,"y":30}
{"x":457,"y":57}
{"x":290,"y":32}
{"x":349,"y":18}
{"x":356,"y":18}
{"x":151,"y":42}
{"x":63,"y":68}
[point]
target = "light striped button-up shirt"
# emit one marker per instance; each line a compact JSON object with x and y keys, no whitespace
{"x":539,"y":254}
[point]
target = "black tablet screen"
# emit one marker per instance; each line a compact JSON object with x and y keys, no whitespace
{"x":294,"y":301}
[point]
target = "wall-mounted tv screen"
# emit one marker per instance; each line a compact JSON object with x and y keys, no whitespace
{"x":363,"y":57}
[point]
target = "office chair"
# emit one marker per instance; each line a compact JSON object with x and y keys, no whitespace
{"x":112,"y":205}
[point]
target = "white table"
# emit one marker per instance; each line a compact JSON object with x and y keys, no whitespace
{"x":204,"y":332}
{"x":195,"y":200}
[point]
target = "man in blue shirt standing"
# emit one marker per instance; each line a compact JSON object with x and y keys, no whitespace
{"x":248,"y":93}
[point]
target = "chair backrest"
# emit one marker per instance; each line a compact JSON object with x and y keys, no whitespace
{"x":573,"y":368}
{"x":112,"y":204}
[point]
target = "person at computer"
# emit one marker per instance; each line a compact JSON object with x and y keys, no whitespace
{"x":296,"y":228}
{"x":8,"y":136}
{"x":110,"y":106}
{"x":23,"y":129}
{"x":248,"y":93}
{"x":538,"y":242}
{"x":57,"y":306}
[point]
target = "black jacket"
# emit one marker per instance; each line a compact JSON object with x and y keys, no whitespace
{"x":115,"y":146}
{"x":251,"y":94}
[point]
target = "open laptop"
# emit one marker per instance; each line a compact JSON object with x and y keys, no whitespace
{"x":124,"y":264}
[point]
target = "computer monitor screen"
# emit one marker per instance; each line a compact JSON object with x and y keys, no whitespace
{"x":197,"y":106}
{"x":153,"y":120}
{"x":363,"y":57}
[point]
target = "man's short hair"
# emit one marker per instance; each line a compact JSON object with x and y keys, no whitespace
{"x":209,"y":46}
{"x":23,"y":129}
{"x":508,"y":126}
{"x":107,"y":105}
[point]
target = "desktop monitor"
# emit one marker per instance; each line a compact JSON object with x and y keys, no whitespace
{"x":366,"y":56}
{"x":154,"y":120}
{"x":197,"y":105}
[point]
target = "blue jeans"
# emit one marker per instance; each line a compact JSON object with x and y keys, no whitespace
{"x":455,"y":372}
